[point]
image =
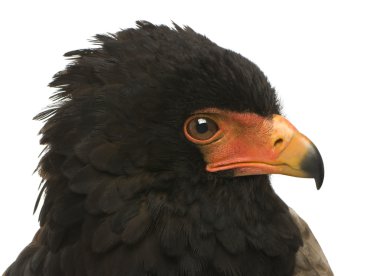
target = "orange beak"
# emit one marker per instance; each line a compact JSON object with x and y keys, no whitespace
{"x":249,"y":144}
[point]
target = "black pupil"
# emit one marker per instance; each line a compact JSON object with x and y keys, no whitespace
{"x":202,"y":126}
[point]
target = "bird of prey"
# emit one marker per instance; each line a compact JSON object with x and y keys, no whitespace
{"x":159,"y":147}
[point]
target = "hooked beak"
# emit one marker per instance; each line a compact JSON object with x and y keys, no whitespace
{"x":253,"y":145}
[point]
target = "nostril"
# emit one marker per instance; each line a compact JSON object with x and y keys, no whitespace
{"x":278,"y":142}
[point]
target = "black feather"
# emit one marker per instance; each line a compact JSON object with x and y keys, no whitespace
{"x":87,"y":179}
{"x":136,"y":227}
{"x":104,"y":238}
{"x":38,"y":259}
{"x":71,"y":167}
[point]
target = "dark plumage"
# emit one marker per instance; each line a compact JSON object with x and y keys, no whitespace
{"x":126,"y":193}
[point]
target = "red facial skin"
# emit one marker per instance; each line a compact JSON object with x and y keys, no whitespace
{"x":250,"y":144}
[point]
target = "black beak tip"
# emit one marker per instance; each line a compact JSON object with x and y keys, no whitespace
{"x":313,"y":166}
{"x":319,"y":180}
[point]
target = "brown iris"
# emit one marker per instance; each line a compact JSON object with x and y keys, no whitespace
{"x":201,"y":128}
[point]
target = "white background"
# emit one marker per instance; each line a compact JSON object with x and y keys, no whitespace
{"x":323,"y":57}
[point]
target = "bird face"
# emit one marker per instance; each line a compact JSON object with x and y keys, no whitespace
{"x":250,"y":144}
{"x":190,"y":108}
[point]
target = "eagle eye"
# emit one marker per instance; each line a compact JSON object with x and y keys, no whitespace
{"x":201,"y":128}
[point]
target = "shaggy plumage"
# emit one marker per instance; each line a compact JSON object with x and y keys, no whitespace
{"x":127,"y":194}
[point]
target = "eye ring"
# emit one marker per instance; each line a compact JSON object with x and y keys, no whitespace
{"x":200,"y":129}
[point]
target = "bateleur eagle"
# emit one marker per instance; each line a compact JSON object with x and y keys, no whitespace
{"x":158,"y":150}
